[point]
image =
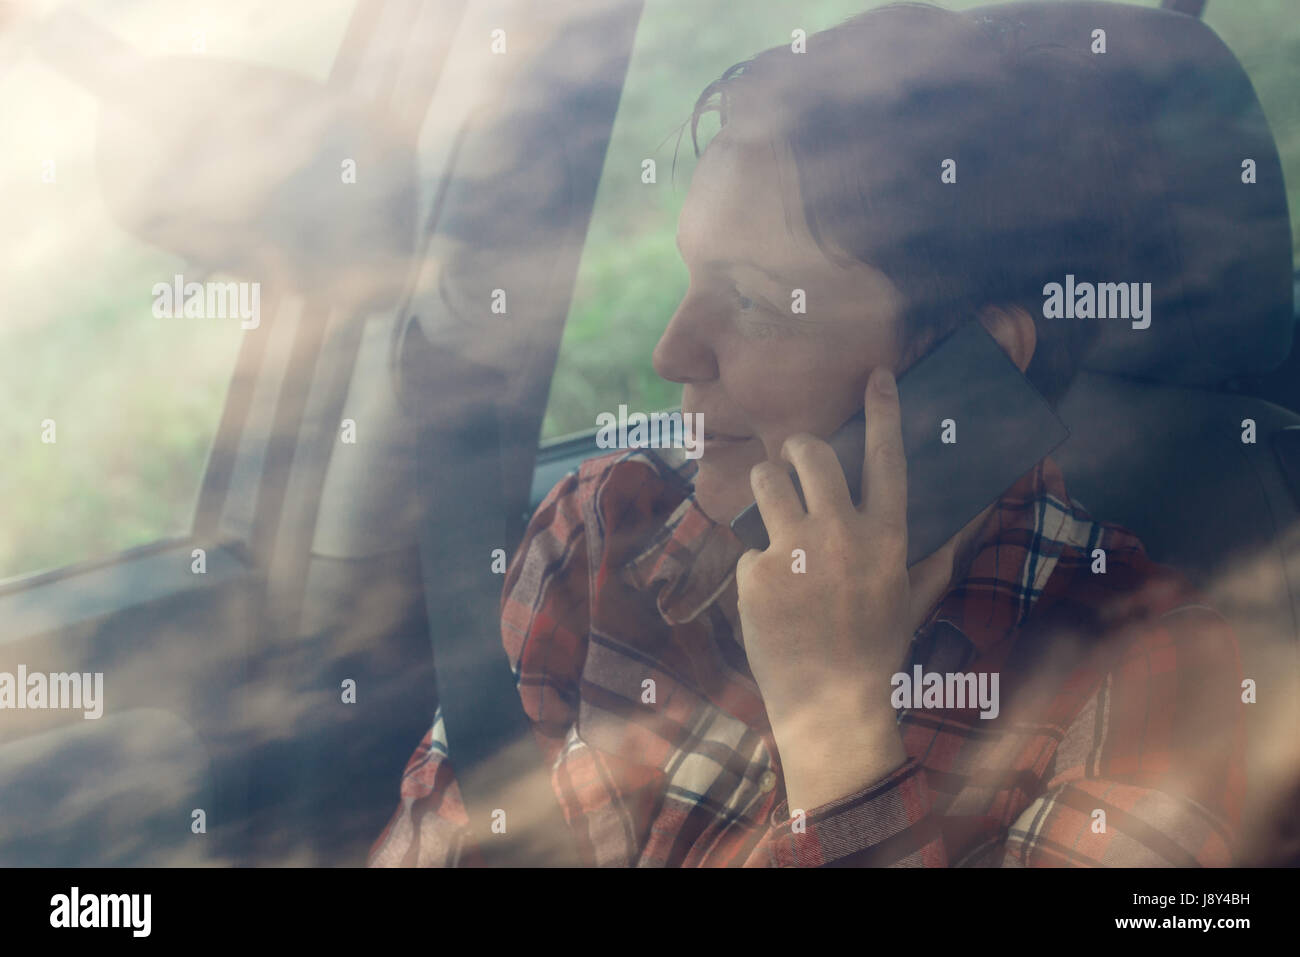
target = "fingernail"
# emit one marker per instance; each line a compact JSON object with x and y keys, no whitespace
{"x":883,"y":383}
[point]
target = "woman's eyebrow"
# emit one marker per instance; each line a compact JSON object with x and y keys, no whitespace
{"x":728,"y":265}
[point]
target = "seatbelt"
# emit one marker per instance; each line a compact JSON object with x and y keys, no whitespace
{"x":522,"y":209}
{"x":504,"y":782}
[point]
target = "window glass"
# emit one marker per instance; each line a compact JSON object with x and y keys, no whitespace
{"x":631,"y":278}
{"x":110,"y":410}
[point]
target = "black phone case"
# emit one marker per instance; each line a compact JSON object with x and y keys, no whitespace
{"x":1003,"y":428}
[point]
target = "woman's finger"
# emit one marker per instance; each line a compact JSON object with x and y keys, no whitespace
{"x":825,"y":488}
{"x":777,"y":500}
{"x":884,"y":466}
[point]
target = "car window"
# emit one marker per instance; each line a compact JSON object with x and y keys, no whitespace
{"x":111,"y":401}
{"x":631,"y":278}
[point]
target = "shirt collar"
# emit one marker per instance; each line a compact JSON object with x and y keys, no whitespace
{"x":690,"y":555}
{"x":693,"y":558}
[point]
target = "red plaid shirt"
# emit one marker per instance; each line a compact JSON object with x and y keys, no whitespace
{"x":1119,"y":739}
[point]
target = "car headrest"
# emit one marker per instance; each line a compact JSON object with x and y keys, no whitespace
{"x":1217,"y":249}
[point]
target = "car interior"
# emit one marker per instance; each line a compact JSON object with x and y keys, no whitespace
{"x":368,"y":565}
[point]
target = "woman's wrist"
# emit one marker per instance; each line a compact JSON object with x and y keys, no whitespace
{"x":823,"y":761}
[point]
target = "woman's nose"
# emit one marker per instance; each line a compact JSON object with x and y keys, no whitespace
{"x":685,"y":352}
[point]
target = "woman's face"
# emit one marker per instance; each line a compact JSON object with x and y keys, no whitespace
{"x":753,"y":367}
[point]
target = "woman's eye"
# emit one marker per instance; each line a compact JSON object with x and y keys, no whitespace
{"x":744,"y":302}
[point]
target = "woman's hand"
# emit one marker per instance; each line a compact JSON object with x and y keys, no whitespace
{"x":825,"y":632}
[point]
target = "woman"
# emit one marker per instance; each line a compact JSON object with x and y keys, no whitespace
{"x":704,"y":705}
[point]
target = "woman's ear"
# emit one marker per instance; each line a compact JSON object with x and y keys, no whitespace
{"x":1014,"y":331}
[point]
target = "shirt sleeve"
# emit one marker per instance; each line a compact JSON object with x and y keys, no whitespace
{"x":543,"y":627}
{"x":891,"y":823}
{"x":1149,"y":773}
{"x":430,"y":827}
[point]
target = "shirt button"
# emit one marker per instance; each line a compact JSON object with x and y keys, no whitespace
{"x":767,"y":781}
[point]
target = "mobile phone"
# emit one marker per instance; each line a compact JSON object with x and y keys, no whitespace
{"x":972,"y":426}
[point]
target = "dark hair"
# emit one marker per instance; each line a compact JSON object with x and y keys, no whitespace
{"x":1038,"y":174}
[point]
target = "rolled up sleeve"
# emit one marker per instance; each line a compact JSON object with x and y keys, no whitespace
{"x":888,"y":824}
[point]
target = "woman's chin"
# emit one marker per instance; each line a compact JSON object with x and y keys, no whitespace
{"x":722,"y":493}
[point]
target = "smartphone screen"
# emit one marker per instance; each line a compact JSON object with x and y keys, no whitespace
{"x":972,"y":426}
